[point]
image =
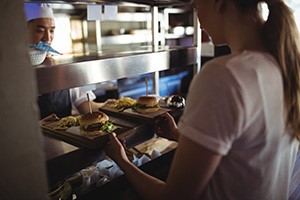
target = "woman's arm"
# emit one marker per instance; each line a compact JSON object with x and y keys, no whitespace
{"x":149,"y":187}
{"x":192,"y":168}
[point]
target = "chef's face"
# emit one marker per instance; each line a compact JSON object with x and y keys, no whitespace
{"x":41,"y":29}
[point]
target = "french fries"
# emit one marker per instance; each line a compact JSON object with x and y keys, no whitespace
{"x":124,"y":103}
{"x":68,"y":121}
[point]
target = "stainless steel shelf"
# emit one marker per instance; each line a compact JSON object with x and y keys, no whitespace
{"x":85,"y":70}
{"x":160,"y":2}
{"x":146,"y":2}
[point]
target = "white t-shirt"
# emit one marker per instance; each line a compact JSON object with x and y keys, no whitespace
{"x":235,"y":108}
{"x":79,"y":94}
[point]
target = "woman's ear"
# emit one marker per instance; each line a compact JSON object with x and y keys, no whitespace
{"x":219,"y":5}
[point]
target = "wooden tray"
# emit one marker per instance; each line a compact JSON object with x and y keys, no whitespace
{"x":148,"y":118}
{"x":73,"y":136}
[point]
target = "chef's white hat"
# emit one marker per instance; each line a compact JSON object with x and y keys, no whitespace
{"x":38,"y":10}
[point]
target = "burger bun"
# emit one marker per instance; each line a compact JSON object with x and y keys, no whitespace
{"x":146,"y":110}
{"x":93,"y":118}
{"x":146,"y":104}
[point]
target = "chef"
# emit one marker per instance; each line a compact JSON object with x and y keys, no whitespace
{"x":41,"y":27}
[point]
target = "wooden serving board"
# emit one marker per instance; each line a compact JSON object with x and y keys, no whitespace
{"x":129,"y":114}
{"x":73,"y":135}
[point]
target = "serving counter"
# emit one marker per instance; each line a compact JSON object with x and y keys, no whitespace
{"x":66,"y":162}
{"x":66,"y":157}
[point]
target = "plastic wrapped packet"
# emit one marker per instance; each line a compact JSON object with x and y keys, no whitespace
{"x":90,"y":177}
{"x":105,"y":171}
{"x":109,"y":169}
{"x":102,"y":181}
{"x":140,"y":161}
{"x":62,"y":192}
{"x":155,"y":154}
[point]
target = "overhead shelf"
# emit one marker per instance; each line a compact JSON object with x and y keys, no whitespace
{"x":160,"y":2}
{"x":85,"y":70}
{"x":146,"y":2}
{"x":80,"y":70}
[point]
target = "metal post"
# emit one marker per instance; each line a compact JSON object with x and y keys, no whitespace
{"x":197,"y":42}
{"x":164,"y":27}
{"x":98,"y":36}
{"x":155,"y":44}
{"x":84,"y":29}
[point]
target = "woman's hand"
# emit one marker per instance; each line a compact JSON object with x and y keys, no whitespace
{"x":115,"y":149}
{"x":166,"y":127}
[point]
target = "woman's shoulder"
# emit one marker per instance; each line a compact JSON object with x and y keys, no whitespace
{"x":218,"y":64}
{"x":238,"y":68}
{"x":240,"y":60}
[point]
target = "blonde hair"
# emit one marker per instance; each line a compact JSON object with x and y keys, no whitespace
{"x":281,"y":37}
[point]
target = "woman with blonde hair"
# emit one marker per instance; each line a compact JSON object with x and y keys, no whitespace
{"x":238,"y":136}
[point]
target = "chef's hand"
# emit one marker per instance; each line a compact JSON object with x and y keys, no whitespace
{"x":48,"y":61}
{"x":50,"y":118}
{"x":166,"y":127}
{"x":110,"y":101}
{"x":96,"y":106}
{"x":115,"y":149}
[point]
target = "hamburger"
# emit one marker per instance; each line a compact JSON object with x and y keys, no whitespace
{"x":96,"y":122}
{"x":146,"y":104}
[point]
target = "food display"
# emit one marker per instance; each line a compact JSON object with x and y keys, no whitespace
{"x":95,"y":123}
{"x":143,"y":105}
{"x":146,"y":104}
{"x":89,"y":130}
{"x":123,"y":103}
{"x":147,"y":109}
{"x":89,"y":125}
